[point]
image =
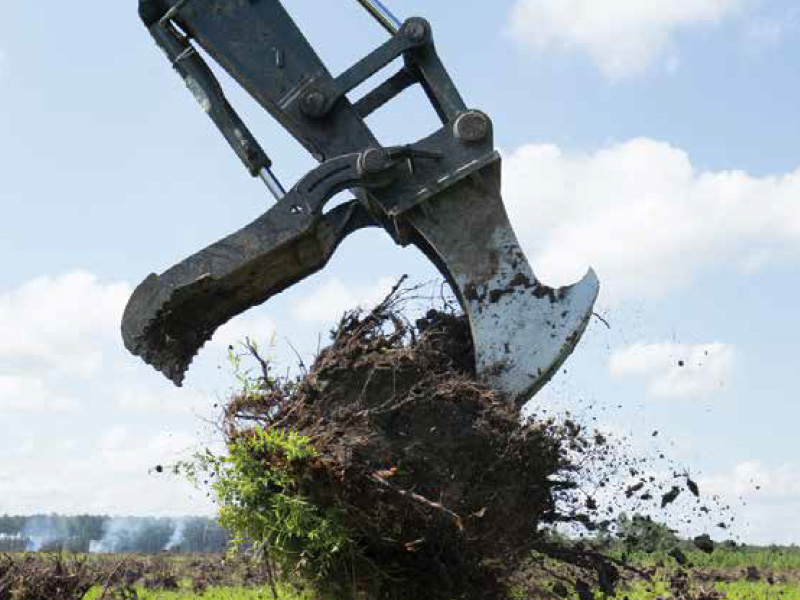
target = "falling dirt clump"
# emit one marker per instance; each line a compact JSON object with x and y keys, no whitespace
{"x":443,"y":489}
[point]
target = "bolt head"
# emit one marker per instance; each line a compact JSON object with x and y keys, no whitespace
{"x":472,"y":127}
{"x":373,"y":161}
{"x":313,"y":103}
{"x":416,"y":31}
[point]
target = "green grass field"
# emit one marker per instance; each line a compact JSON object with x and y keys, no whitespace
{"x":777,"y":559}
{"x":740,"y":590}
{"x":735,"y":573}
{"x":220,"y":593}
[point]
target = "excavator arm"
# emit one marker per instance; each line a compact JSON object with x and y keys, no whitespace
{"x":440,"y":194}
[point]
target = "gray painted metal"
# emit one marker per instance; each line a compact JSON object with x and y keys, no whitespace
{"x":171,"y":316}
{"x":523,"y":330}
{"x":441,"y":194}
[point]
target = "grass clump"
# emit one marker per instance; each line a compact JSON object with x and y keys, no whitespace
{"x":259,"y":488}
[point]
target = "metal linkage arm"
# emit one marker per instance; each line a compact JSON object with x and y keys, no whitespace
{"x":261,"y":47}
{"x":264,"y":51}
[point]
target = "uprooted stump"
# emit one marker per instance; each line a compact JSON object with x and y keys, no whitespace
{"x":439,"y":487}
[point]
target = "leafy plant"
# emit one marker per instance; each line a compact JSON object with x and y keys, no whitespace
{"x":257,"y":487}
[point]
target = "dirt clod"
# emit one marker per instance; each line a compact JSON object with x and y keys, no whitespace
{"x":704,"y":543}
{"x":678,"y":555}
{"x":670,"y":496}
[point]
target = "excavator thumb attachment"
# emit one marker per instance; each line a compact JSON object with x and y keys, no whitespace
{"x":171,"y":316}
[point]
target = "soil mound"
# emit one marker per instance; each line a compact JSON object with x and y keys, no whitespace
{"x":442,"y":487}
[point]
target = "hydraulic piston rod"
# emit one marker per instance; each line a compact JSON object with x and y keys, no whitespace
{"x":382,"y":14}
{"x":273,"y":184}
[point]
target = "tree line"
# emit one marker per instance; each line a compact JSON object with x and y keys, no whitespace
{"x":106,"y":534}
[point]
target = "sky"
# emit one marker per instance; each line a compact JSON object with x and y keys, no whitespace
{"x":651,"y":140}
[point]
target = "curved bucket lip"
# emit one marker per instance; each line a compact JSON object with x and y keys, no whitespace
{"x":532,"y":337}
{"x":523,"y":330}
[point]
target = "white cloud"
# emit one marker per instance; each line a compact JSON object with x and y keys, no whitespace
{"x":21,"y":451}
{"x":163,"y":399}
{"x":122,"y":453}
{"x":20,"y":394}
{"x":676,"y":370}
{"x":60,"y":337}
{"x":765,"y":32}
{"x":623,"y":37}
{"x":755,"y":480}
{"x":69,"y":325}
{"x":60,"y":323}
{"x":114,"y":438}
{"x":643,"y":216}
{"x":259,"y":327}
{"x":121,"y":478}
{"x":112,"y":475}
{"x":766,"y":499}
{"x":333,"y":298}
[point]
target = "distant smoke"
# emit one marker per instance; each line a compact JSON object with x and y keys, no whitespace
{"x":176,"y":539}
{"x":13,"y":542}
{"x":42,"y":532}
{"x":118,"y":536}
{"x":137,"y":535}
{"x":111,"y":535}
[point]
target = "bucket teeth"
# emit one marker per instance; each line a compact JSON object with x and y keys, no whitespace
{"x":171,"y":316}
{"x":166,"y":323}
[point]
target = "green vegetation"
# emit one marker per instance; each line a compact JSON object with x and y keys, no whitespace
{"x":739,"y":590}
{"x":644,"y":533}
{"x":261,"y":485}
{"x":747,"y":590}
{"x":775,"y":558}
{"x":221,"y":593}
{"x":258,"y":489}
{"x":638,"y":590}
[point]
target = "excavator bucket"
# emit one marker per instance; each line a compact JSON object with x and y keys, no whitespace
{"x":522,"y":329}
{"x":441,"y":194}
